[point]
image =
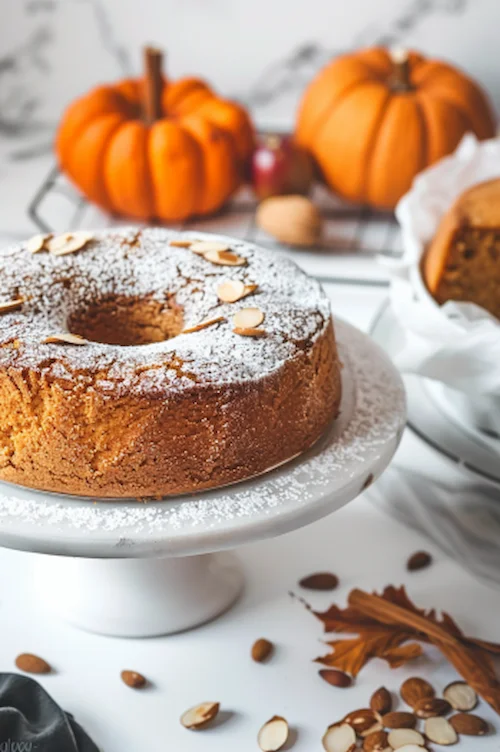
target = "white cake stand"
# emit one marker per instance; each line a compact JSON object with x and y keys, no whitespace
{"x":135,"y":569}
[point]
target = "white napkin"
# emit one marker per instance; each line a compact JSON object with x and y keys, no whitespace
{"x":458,"y":343}
{"x":463,"y":520}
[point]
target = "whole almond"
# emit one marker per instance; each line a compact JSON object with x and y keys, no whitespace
{"x":398,"y":738}
{"x":381,"y":701}
{"x":200,"y":716}
{"x":261,"y":650}
{"x":336,"y":678}
{"x":415,"y":689}
{"x":460,"y":696}
{"x":32,"y":664}
{"x":133,"y":679}
{"x":469,"y":724}
{"x":320,"y":581}
{"x":428,"y":707}
{"x":376,"y":741}
{"x":363,"y":721}
{"x":399,"y":719}
{"x":294,"y":220}
{"x":340,"y":737}
{"x":418,"y":560}
{"x":440,"y":731}
{"x":273,"y":735}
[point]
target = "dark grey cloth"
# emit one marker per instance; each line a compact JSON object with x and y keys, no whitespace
{"x":30,"y":720}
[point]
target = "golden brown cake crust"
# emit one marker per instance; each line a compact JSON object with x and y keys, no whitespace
{"x":462,"y":261}
{"x":195,"y":411}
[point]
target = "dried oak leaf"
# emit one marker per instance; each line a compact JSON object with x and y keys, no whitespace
{"x":394,"y":643}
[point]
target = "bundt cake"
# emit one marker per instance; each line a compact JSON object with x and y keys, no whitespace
{"x":463,"y":260}
{"x":151,"y":363}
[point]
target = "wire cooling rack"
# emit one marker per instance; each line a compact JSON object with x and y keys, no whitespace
{"x":353,"y":239}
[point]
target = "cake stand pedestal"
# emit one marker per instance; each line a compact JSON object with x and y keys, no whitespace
{"x":133,"y":569}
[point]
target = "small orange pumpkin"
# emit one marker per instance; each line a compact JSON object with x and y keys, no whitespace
{"x":374,"y":119}
{"x":154,"y":149}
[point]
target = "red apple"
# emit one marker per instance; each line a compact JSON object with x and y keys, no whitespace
{"x":280,"y":167}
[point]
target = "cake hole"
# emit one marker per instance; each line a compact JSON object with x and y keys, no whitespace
{"x":121,"y":320}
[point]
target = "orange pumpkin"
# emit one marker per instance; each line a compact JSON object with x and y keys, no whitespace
{"x":154,"y":149}
{"x":373,"y":120}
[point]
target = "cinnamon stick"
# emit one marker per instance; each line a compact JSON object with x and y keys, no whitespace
{"x":153,"y":84}
{"x":468,"y":660}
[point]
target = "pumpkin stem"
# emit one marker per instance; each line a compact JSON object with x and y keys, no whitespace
{"x":400,"y":77}
{"x":153,"y":59}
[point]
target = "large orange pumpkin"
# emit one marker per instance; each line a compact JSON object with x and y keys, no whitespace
{"x":372,"y":120}
{"x":155,"y":149}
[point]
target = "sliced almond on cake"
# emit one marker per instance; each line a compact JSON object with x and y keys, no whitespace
{"x":203,"y":325}
{"x":68,"y":242}
{"x":181,"y":243}
{"x":38,"y":243}
{"x":234,"y":290}
{"x":208,"y":246}
{"x":224,"y":258}
{"x":248,"y":318}
{"x":65,"y":338}
{"x":249,"y":331}
{"x":11,"y":305}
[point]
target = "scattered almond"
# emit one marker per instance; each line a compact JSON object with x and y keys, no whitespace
{"x":12,"y":305}
{"x":402,"y":737}
{"x":399,"y":719}
{"x":294,"y":220}
{"x":181,"y":243}
{"x":208,"y":246}
{"x":415,"y":689}
{"x":364,"y":721}
{"x":469,"y":724}
{"x":234,"y":290}
{"x":261,"y":650}
{"x":376,"y":741}
{"x":428,"y":707}
{"x":273,"y":734}
{"x":203,"y":325}
{"x":248,"y":318}
{"x":69,"y":242}
{"x":38,"y":243}
{"x":224,"y":258}
{"x":65,"y":338}
{"x":249,"y":332}
{"x":340,"y":737}
{"x":410,"y":748}
{"x":133,"y":679}
{"x":320,"y":581}
{"x":381,"y":701}
{"x":32,"y":664}
{"x":440,"y":731}
{"x":460,"y":696}
{"x":418,"y":560}
{"x":336,"y":678}
{"x":199,"y":716}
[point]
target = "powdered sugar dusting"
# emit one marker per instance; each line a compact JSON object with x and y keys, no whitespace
{"x":372,"y":419}
{"x":143,"y":264}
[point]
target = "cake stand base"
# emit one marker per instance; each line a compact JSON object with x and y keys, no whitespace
{"x":130,"y":569}
{"x":138,"y":597}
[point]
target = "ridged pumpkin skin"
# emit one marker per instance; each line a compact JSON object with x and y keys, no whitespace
{"x":370,"y":137}
{"x":187,"y":163}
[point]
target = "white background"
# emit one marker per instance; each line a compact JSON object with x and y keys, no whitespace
{"x":51,"y":50}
